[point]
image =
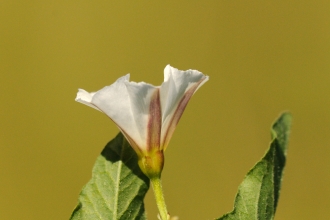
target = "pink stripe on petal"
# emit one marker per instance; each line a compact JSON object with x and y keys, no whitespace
{"x":154,"y":122}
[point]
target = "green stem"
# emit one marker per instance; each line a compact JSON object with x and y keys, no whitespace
{"x":159,"y":196}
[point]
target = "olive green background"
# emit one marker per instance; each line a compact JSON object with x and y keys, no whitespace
{"x":263,"y":57}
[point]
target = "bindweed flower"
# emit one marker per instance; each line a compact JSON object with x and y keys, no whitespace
{"x":147,"y":115}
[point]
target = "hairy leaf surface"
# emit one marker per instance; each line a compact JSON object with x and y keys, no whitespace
{"x":117,"y":188}
{"x":258,"y":194}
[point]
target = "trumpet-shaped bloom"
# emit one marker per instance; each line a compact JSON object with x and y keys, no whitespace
{"x":147,"y":115}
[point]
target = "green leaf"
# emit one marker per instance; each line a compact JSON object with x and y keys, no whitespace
{"x":117,"y":187}
{"x":258,"y":194}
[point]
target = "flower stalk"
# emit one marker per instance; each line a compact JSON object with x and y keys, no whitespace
{"x":159,"y":196}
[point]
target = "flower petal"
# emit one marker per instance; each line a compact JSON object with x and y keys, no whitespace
{"x":85,"y":97}
{"x":175,"y":93}
{"x":114,"y":101}
{"x":145,"y":107}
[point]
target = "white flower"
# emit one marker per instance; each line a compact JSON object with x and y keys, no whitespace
{"x":147,"y":115}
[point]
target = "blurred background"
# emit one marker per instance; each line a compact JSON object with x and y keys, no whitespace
{"x":263,"y":57}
